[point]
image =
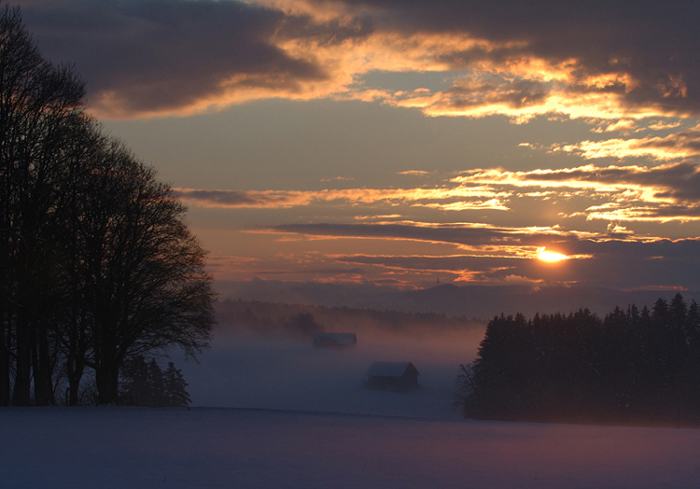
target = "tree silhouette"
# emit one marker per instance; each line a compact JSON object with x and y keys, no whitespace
{"x":145,"y":288}
{"x":36,"y":99}
{"x":303,"y":324}
{"x":175,"y":387}
{"x":96,"y":262}
{"x":145,"y":384}
{"x":627,"y":367}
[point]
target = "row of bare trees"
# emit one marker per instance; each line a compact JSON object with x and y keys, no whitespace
{"x":96,"y":262}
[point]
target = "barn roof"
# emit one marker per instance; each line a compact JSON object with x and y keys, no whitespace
{"x":389,"y":369}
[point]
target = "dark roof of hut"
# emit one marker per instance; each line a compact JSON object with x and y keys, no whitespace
{"x":389,"y":369}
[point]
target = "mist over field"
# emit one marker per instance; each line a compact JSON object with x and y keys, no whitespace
{"x":243,"y":369}
{"x":260,"y":359}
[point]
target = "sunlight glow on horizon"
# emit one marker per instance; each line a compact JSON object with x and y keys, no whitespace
{"x":550,"y":256}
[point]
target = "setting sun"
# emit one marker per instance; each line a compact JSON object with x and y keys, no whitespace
{"x":550,"y":256}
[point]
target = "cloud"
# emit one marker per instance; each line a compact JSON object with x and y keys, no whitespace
{"x":486,"y":239}
{"x":167,"y":56}
{"x":251,"y":198}
{"x":493,"y":204}
{"x":619,"y":264}
{"x":683,"y":144}
{"x":490,"y":254}
{"x":414,"y":253}
{"x":492,"y":90}
{"x":459,"y":268}
{"x":668,"y":192}
{"x":580,"y":60}
{"x":613,"y":212}
{"x":661,"y":193}
{"x":464,"y":197}
{"x":644,"y":59}
{"x":335,"y":179}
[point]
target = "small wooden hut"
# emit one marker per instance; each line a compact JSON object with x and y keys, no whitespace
{"x":392,"y":376}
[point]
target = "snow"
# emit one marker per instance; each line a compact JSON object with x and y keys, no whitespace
{"x":223,"y":448}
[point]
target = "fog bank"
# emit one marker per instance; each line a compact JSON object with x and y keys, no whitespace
{"x":241,"y":370}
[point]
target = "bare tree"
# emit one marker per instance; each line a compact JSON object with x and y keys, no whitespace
{"x":35,"y":99}
{"x":96,"y":261}
{"x":145,"y":287}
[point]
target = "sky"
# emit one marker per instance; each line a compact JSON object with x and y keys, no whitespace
{"x":397,"y":142}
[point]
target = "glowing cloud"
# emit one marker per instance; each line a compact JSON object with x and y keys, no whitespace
{"x":674,"y":146}
{"x":633,"y":193}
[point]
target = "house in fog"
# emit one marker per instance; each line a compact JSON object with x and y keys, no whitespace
{"x":398,"y":376}
{"x":334,"y":340}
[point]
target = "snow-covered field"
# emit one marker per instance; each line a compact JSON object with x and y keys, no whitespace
{"x":274,"y":413}
{"x":230,"y":448}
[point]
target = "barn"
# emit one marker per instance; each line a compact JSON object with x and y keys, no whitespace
{"x":398,"y":376}
{"x":334,"y":340}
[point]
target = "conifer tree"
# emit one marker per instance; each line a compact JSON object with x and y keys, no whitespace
{"x":144,"y":383}
{"x":175,"y":387}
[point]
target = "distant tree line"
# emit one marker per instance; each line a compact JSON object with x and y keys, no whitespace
{"x":97,"y":264}
{"x":629,"y":367}
{"x":303,"y":320}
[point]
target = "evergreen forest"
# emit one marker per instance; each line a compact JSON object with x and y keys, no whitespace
{"x":630,"y":367}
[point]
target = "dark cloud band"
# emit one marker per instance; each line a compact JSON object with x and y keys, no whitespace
{"x":169,"y":56}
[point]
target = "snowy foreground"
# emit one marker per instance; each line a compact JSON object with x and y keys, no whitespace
{"x":235,"y":448}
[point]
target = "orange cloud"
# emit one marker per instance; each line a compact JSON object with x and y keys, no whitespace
{"x":522,"y":98}
{"x":666,"y":213}
{"x":466,"y":197}
{"x":664,"y":193}
{"x":680,"y":145}
{"x":668,"y":192}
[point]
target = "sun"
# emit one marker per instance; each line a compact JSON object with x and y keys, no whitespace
{"x":550,"y":256}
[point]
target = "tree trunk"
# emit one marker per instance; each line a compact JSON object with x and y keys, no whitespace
{"x":4,"y":360}
{"x":107,"y":380}
{"x":74,"y":374}
{"x":21,"y":395}
{"x":75,"y":359}
{"x":43,"y":385}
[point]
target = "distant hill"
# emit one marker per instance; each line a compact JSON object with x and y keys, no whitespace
{"x":472,"y":301}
